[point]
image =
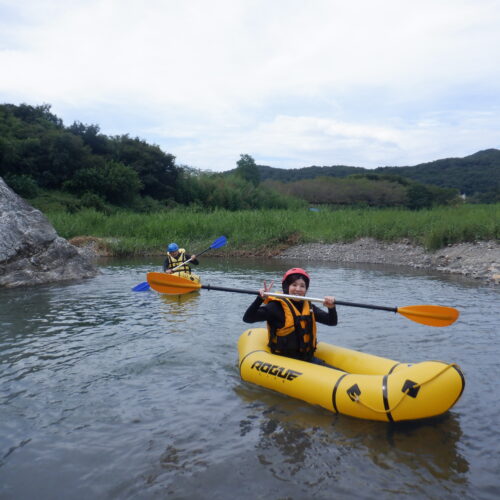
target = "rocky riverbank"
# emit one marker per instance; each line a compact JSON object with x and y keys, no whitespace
{"x":479,"y":260}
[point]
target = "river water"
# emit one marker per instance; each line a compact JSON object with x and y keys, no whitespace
{"x":107,"y":393}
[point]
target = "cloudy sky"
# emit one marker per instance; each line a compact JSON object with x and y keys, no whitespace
{"x":293,"y":83}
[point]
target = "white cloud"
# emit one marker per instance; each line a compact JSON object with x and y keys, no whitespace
{"x":293,"y":83}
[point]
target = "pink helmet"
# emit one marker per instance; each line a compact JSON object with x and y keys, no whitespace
{"x":295,"y":270}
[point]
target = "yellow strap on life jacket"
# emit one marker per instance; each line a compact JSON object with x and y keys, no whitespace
{"x":177,"y":261}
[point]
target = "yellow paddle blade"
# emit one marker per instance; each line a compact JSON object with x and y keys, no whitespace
{"x":171,"y":284}
{"x":430,"y":315}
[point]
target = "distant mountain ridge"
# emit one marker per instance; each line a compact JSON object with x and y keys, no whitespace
{"x":477,"y":173}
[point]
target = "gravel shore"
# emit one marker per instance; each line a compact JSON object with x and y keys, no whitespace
{"x":479,"y":260}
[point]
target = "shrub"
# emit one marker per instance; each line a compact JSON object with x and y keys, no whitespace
{"x":23,"y":185}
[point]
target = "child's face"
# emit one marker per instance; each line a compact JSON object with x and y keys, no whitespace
{"x":298,"y":287}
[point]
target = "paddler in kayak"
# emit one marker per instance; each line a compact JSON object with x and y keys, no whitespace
{"x":291,"y":324}
{"x":178,"y":258}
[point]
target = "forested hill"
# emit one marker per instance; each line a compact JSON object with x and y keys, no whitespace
{"x":299,"y":174}
{"x":477,"y":173}
{"x":77,"y":167}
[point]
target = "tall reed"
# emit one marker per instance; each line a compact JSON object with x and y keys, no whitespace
{"x":134,"y":233}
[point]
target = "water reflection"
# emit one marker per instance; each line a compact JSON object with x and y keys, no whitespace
{"x":177,"y":311}
{"x":437,"y":437}
{"x":291,"y":436}
{"x":155,"y":380}
{"x":179,"y":301}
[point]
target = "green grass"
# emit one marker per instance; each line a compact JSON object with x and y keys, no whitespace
{"x":134,"y":233}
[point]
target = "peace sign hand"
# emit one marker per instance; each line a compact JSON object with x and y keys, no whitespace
{"x":267,"y":288}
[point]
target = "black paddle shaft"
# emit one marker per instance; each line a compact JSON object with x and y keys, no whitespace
{"x":339,"y":302}
{"x":204,"y":251}
{"x":224,"y":289}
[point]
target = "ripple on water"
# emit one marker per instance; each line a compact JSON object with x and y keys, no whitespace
{"x":136,"y":395}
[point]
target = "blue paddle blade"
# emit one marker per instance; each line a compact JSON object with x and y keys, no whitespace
{"x":219,"y":242}
{"x":141,"y":287}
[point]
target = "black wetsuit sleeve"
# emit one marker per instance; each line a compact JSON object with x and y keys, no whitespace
{"x":165,"y":264}
{"x":271,"y":312}
{"x":328,"y":317}
{"x":194,"y":261}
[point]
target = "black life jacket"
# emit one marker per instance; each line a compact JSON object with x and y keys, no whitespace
{"x":297,"y":337}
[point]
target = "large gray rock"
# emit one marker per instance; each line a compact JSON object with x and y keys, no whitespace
{"x":31,"y":252}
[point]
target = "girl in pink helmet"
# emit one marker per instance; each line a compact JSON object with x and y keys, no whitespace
{"x":291,"y":323}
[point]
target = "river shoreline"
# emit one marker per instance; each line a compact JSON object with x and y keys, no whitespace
{"x":479,"y":260}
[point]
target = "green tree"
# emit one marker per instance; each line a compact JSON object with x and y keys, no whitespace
{"x":157,"y":170}
{"x":35,"y":115}
{"x":418,"y":197}
{"x":247,"y":169}
{"x":116,"y":183}
{"x":98,"y":143}
{"x":23,"y":185}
